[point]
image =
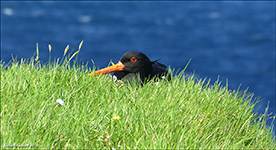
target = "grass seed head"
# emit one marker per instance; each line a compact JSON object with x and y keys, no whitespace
{"x":66,"y":50}
{"x":50,"y":48}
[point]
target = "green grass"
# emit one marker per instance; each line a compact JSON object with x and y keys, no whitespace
{"x":183,"y":113}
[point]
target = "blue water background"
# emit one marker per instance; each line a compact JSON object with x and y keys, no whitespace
{"x":233,"y":40}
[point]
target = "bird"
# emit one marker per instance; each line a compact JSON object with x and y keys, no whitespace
{"x":136,"y":67}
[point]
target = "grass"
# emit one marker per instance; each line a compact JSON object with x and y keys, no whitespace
{"x":183,"y":113}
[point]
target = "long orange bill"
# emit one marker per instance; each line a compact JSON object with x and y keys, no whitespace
{"x":117,"y":67}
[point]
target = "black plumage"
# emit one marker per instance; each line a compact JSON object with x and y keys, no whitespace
{"x":136,"y":66}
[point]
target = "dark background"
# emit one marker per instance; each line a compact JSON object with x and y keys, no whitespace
{"x":233,"y":40}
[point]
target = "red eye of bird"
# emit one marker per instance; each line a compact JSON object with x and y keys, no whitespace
{"x":133,"y":59}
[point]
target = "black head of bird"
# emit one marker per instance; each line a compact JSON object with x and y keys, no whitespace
{"x":134,"y":65}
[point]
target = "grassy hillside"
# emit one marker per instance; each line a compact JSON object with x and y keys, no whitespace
{"x":98,"y":113}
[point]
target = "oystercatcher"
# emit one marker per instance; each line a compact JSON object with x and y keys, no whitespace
{"x":136,"y":66}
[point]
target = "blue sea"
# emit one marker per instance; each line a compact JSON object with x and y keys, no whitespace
{"x":232,"y":41}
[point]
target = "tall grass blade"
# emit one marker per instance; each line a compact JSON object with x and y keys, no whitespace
{"x":74,"y":55}
{"x":37,"y":52}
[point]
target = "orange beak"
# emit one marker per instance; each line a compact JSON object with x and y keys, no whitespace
{"x":117,"y":67}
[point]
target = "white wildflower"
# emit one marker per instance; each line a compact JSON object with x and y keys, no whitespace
{"x":60,"y":101}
